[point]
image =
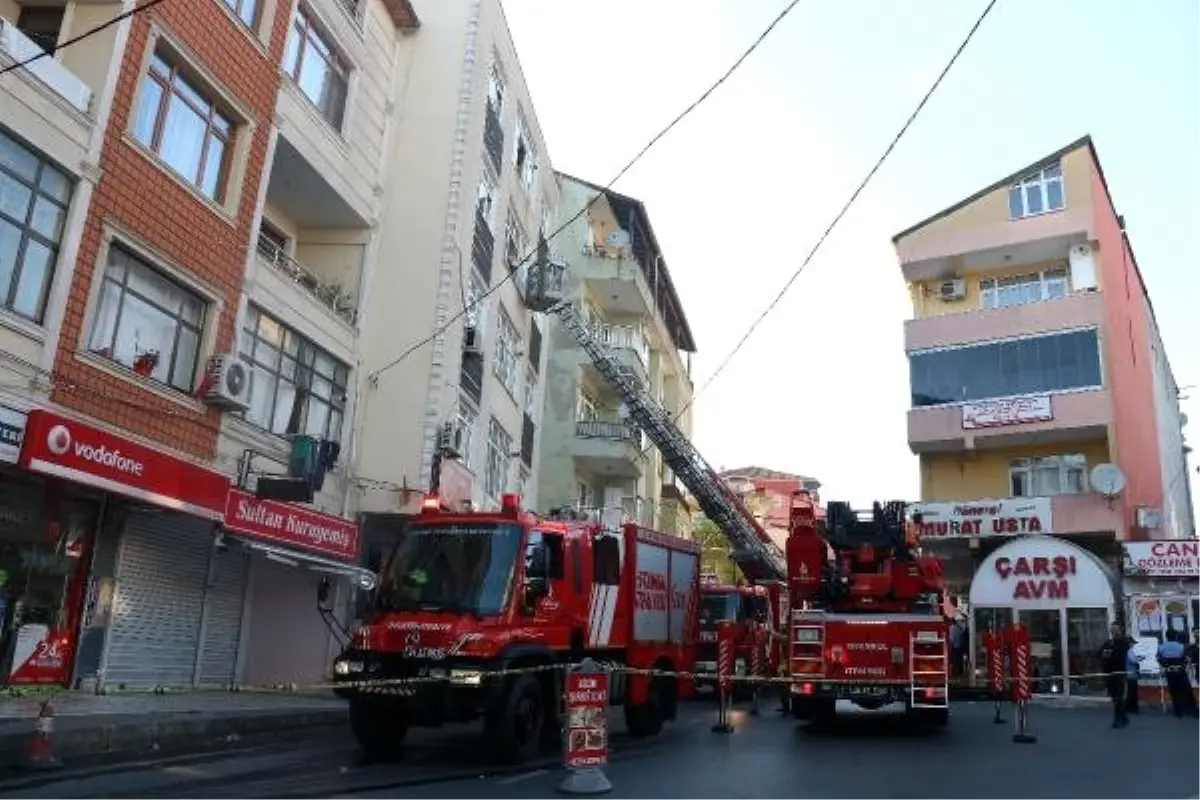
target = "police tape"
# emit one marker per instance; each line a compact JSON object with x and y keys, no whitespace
{"x":467,"y":677}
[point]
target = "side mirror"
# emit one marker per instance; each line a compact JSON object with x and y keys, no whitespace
{"x":323,"y":590}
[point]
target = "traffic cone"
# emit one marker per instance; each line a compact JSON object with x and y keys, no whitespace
{"x":39,"y":753}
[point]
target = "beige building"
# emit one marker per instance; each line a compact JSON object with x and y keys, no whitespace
{"x":592,"y":457}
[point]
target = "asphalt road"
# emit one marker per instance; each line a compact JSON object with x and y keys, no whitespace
{"x":1076,"y":755}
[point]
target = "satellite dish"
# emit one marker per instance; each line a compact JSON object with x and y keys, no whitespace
{"x":812,"y":485}
{"x":618,"y":238}
{"x":1108,"y":480}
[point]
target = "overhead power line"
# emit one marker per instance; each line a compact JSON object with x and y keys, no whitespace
{"x":842,"y":213}
{"x":408,"y":351}
{"x":146,"y":6}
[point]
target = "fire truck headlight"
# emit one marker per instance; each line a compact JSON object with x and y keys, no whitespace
{"x":347,"y":667}
{"x":466,"y":677}
{"x":808,"y":636}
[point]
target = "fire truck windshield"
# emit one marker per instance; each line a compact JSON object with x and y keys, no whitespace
{"x":451,"y":567}
{"x":716,"y":608}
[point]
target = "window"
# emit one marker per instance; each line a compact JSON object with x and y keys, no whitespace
{"x":42,"y":24}
{"x":516,"y":246}
{"x":523,"y":481}
{"x":1052,"y":363}
{"x":246,"y":10}
{"x":148,"y":322}
{"x":524,"y":157}
{"x":585,"y":407}
{"x":476,"y":310}
{"x":485,"y":206}
{"x":507,"y":360}
{"x":1037,"y":193}
{"x":547,"y":220}
{"x":1018,"y":290}
{"x":33,"y":209}
{"x":531,"y":391}
{"x":187,"y":130}
{"x":295,"y":386}
{"x":467,"y":419}
{"x":496,"y":90}
{"x":1046,"y":477}
{"x":313,"y":63}
{"x":495,"y":476}
{"x":584,"y":496}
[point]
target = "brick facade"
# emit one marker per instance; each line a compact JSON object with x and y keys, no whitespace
{"x":135,"y":194}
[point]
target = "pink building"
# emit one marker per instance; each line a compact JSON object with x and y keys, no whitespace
{"x":769,"y":492}
{"x":1042,"y":399}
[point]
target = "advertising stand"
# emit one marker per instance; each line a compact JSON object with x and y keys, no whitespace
{"x":586,"y":739}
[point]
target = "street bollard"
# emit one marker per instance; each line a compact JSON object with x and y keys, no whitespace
{"x":586,"y":736}
{"x":756,"y":669}
{"x":724,"y":677}
{"x":994,"y":642}
{"x":1021,"y":688}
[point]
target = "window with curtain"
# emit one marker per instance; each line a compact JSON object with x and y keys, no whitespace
{"x":1016,"y":290}
{"x":246,"y":10}
{"x":184,"y":127}
{"x":1037,"y":193}
{"x":312,"y":61}
{"x":148,"y":322}
{"x":500,"y":445}
{"x":467,"y":420}
{"x":34,"y":196}
{"x":1048,"y":476}
{"x":507,"y":362}
{"x":295,"y":386}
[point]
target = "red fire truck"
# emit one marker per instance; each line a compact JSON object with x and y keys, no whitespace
{"x":465,"y":595}
{"x":866,"y":614}
{"x":747,"y":608}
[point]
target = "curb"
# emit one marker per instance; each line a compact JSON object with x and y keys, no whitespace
{"x":134,"y":736}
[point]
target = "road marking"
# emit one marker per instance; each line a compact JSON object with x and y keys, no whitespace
{"x":524,"y":776}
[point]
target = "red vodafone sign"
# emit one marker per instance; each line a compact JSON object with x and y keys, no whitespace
{"x":64,"y":448}
{"x":291,"y":525}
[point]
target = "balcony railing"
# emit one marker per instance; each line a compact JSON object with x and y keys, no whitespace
{"x":331,"y":295}
{"x":19,"y":47}
{"x":616,"y":431}
{"x":624,"y":337}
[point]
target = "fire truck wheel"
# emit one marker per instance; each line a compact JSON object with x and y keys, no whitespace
{"x":514,"y":724}
{"x":379,"y":731}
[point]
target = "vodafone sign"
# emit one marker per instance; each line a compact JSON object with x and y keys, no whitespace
{"x":77,"y":452}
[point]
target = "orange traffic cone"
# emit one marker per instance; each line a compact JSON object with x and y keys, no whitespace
{"x":39,"y":753}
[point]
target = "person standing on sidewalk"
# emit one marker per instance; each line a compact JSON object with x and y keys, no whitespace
{"x":1172,"y":655}
{"x":1114,"y":655}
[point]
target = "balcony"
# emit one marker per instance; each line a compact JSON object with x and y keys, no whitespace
{"x":1086,"y":514}
{"x":610,"y":449}
{"x":940,"y":251}
{"x":312,"y":181}
{"x":1074,"y":416}
{"x":617,"y":285}
{"x":982,"y":325}
{"x":15,"y":47}
{"x":631,"y":349}
{"x":331,"y":295}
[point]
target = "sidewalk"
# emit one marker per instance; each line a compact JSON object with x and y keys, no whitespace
{"x":88,"y":725}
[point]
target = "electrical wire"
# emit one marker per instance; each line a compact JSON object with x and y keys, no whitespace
{"x":374,"y":376}
{"x":75,"y":39}
{"x":842,"y":213}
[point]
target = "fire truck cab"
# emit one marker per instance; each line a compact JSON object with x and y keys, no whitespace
{"x":478,"y":614}
{"x":747,"y":608}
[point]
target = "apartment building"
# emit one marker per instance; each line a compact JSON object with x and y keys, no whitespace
{"x":592,"y":456}
{"x":1044,"y":411}
{"x":768,"y":494}
{"x":191,"y":206}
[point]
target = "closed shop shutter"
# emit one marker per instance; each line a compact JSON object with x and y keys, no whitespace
{"x":288,"y":641}
{"x":161,"y":572}
{"x":223,"y":616}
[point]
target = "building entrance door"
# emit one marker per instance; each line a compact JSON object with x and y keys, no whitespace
{"x":1046,"y":667}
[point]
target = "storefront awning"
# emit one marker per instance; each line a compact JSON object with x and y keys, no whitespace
{"x":296,"y":558}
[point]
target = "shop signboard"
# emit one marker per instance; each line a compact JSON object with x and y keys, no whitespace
{"x":12,"y":431}
{"x":1163,"y":559}
{"x":291,"y":525}
{"x":1043,"y":572}
{"x":1009,"y":411}
{"x":1008,"y":516}
{"x":71,"y":450}
{"x":41,"y":655}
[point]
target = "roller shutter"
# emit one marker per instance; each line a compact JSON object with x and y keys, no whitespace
{"x":159,"y":599}
{"x":223,"y":616}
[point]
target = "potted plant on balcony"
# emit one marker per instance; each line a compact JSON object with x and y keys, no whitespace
{"x":145,"y":362}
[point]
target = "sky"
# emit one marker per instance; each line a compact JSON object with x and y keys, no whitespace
{"x":741,"y":190}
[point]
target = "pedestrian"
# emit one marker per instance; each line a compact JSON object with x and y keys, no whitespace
{"x":1114,"y":655}
{"x":1172,"y":655}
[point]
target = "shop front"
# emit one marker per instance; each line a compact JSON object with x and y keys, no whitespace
{"x":290,"y":548}
{"x":1063,"y":593}
{"x":47,"y":530}
{"x":1162,"y":593}
{"x":143,"y":608}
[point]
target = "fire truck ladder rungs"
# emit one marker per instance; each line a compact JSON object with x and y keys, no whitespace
{"x":759,"y":559}
{"x":928,"y":664}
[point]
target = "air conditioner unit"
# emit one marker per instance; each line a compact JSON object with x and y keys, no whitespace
{"x":952,"y":290}
{"x":228,"y":380}
{"x":472,"y":341}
